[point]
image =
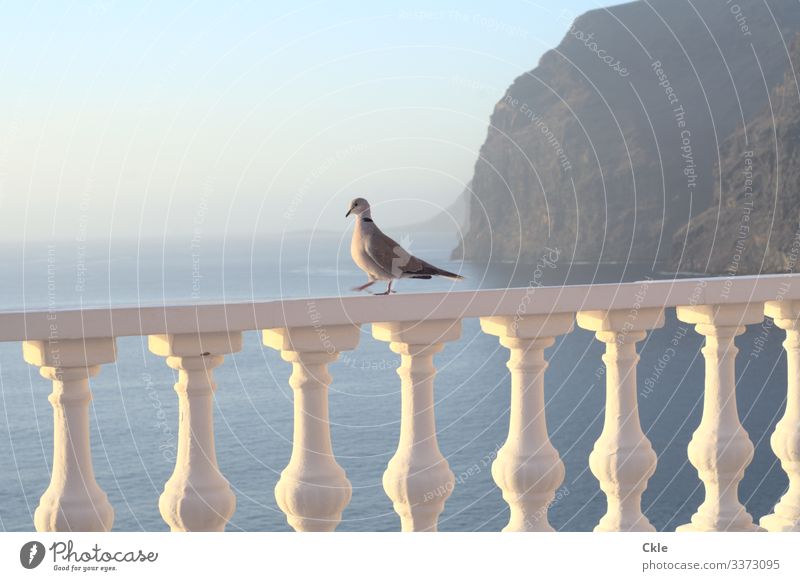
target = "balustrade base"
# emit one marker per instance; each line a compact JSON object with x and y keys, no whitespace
{"x":314,"y":525}
{"x":641,"y":525}
{"x":745,"y":525}
{"x":775,"y":523}
{"x":83,"y":515}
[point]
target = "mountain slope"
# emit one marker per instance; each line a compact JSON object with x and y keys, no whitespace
{"x":608,"y":147}
{"x":753,"y":225}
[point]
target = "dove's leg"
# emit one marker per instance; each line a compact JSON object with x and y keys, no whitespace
{"x":364,"y":286}
{"x":388,"y":289}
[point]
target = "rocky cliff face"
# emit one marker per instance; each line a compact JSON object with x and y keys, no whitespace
{"x":753,"y":224}
{"x":608,"y":147}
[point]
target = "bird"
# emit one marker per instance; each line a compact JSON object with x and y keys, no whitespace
{"x":381,"y":257}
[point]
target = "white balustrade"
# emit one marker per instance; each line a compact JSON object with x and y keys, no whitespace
{"x":73,"y":502}
{"x":197,"y":497}
{"x":622,"y":459}
{"x":528,"y":468}
{"x":418,"y":479}
{"x":720,"y":449}
{"x":313,"y":489}
{"x":786,"y":438}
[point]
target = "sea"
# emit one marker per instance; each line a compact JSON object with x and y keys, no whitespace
{"x":134,"y":408}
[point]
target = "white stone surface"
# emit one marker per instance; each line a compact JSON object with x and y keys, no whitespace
{"x":73,"y":502}
{"x":720,"y":448}
{"x":347,"y":310}
{"x":418,"y":478}
{"x":313,"y":489}
{"x":623,"y":459}
{"x":197,"y":497}
{"x":786,"y":438}
{"x":528,"y":468}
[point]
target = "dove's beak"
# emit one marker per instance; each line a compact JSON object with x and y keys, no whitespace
{"x":348,"y":212}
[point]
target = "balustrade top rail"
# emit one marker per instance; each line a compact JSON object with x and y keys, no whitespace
{"x":246,"y":316}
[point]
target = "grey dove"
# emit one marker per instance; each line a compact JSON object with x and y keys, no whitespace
{"x":381,"y":257}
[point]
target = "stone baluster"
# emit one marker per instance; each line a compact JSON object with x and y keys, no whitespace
{"x":418,"y":479}
{"x":528,"y":468}
{"x":73,"y":502}
{"x":786,"y":438}
{"x":197,"y":497}
{"x":720,"y":448}
{"x":622,"y":459}
{"x":313,"y":489}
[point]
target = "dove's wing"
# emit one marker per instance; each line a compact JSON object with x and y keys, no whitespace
{"x":396,"y":260}
{"x":386,"y":253}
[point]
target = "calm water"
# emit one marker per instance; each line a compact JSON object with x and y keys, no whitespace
{"x":134,"y":412}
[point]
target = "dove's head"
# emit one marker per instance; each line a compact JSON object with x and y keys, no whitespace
{"x":358,"y":207}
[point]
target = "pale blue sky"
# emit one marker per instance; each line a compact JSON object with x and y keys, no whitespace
{"x":243,"y":118}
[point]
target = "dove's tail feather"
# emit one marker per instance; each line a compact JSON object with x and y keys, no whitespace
{"x":428,"y":270}
{"x":447,"y":274}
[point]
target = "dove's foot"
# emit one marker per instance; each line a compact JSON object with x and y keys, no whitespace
{"x":388,"y":289}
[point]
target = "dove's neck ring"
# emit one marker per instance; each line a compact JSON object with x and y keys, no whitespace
{"x":366,"y":215}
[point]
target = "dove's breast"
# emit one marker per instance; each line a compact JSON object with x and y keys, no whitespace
{"x":361,"y":258}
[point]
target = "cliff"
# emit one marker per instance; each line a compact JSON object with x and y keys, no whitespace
{"x":609,"y":146}
{"x":752,"y":226}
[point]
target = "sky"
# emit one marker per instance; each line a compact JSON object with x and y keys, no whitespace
{"x":147,"y":119}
